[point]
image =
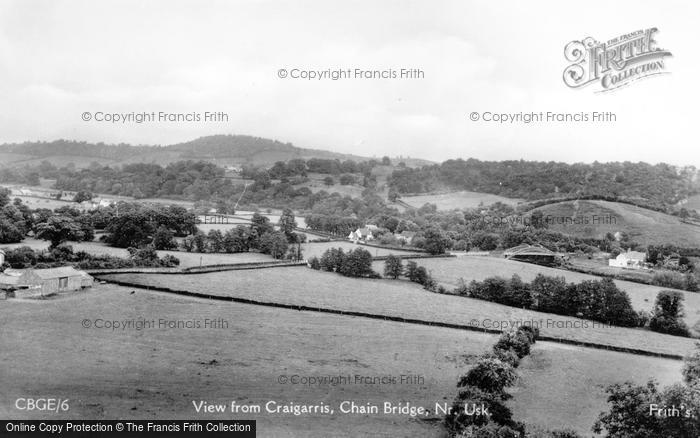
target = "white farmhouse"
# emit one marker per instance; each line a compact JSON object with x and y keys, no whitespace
{"x":629,"y":259}
{"x":364,"y":234}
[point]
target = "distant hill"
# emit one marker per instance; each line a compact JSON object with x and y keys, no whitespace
{"x":596,"y":218}
{"x":235,"y":150}
{"x":660,"y":186}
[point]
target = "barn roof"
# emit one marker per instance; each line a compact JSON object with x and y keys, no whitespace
{"x":46,"y":274}
{"x":529,"y":250}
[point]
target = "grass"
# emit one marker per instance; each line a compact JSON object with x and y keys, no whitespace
{"x":157,"y":373}
{"x":693,"y":203}
{"x":564,"y":386}
{"x":303,"y":286}
{"x":187,"y":259}
{"x":449,"y":272}
{"x":646,"y":227}
{"x":52,"y":204}
{"x":316,"y":249}
{"x":459,"y":200}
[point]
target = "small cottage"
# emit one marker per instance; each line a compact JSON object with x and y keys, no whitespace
{"x":629,"y":259}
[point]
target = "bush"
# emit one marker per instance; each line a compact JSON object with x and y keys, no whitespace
{"x":517,"y":341}
{"x":457,"y":421}
{"x":507,"y":356}
{"x":490,"y":374}
{"x":314,"y":263}
{"x":532,"y":332}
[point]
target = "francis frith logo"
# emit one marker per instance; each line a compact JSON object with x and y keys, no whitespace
{"x":616,"y":62}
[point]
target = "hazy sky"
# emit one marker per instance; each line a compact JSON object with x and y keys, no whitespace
{"x":59,"y":59}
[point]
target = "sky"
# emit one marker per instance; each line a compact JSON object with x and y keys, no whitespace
{"x":61,"y":59}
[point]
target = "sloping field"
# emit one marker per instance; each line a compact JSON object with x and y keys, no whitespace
{"x":463,"y":199}
{"x":302,"y":286}
{"x":156,"y":373}
{"x":7,"y":158}
{"x":564,"y":386}
{"x":595,"y":218}
{"x":449,"y":271}
{"x":693,"y":203}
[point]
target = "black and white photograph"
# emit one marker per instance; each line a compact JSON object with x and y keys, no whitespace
{"x":389,"y":218}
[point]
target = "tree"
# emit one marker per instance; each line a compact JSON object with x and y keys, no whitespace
{"x":59,"y":229}
{"x":163,"y":239}
{"x":332,"y":259}
{"x":691,"y":368}
{"x":489,"y":375}
{"x":357,"y":263}
{"x":393,"y":268}
{"x":436,"y":242}
{"x":287,"y":224}
{"x":329,"y":181}
{"x":275,"y":244}
{"x":82,"y":196}
{"x":216,"y":241}
{"x":386,"y":161}
{"x":629,"y":412}
{"x":668,"y":314}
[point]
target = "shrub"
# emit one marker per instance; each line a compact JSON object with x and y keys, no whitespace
{"x":531,"y":332}
{"x":457,"y":421}
{"x":314,"y":263}
{"x":517,"y":341}
{"x":490,"y":374}
{"x":508,"y":356}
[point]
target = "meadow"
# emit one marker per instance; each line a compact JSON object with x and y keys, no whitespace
{"x":450,"y":271}
{"x":458,"y":200}
{"x":156,"y":373}
{"x":564,"y":386}
{"x":303,"y":286}
{"x":316,"y":249}
{"x":187,"y":259}
{"x":646,"y":227}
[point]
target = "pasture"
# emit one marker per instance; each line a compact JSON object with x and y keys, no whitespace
{"x":187,"y":259}
{"x":316,"y":249}
{"x":303,"y":286}
{"x":449,"y":272}
{"x":458,"y":200}
{"x":156,"y":373}
{"x":646,"y":227}
{"x":564,"y":386}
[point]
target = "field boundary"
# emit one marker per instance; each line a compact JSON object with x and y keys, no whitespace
{"x":391,"y":318}
{"x":198,"y":269}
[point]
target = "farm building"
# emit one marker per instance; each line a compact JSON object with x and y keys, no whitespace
{"x":361,"y":234}
{"x":36,"y":282}
{"x":629,"y":259}
{"x":405,"y":236}
{"x":537,"y":254}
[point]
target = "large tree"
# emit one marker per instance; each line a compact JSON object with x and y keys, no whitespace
{"x":59,"y":229}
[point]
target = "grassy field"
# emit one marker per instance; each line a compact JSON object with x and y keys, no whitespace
{"x":316,"y":249}
{"x":187,"y":259}
{"x":34,"y":203}
{"x":564,"y":386}
{"x":156,"y":373}
{"x":693,"y":203}
{"x":303,"y":286}
{"x":460,"y":200}
{"x":646,"y":227}
{"x":449,"y":272}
